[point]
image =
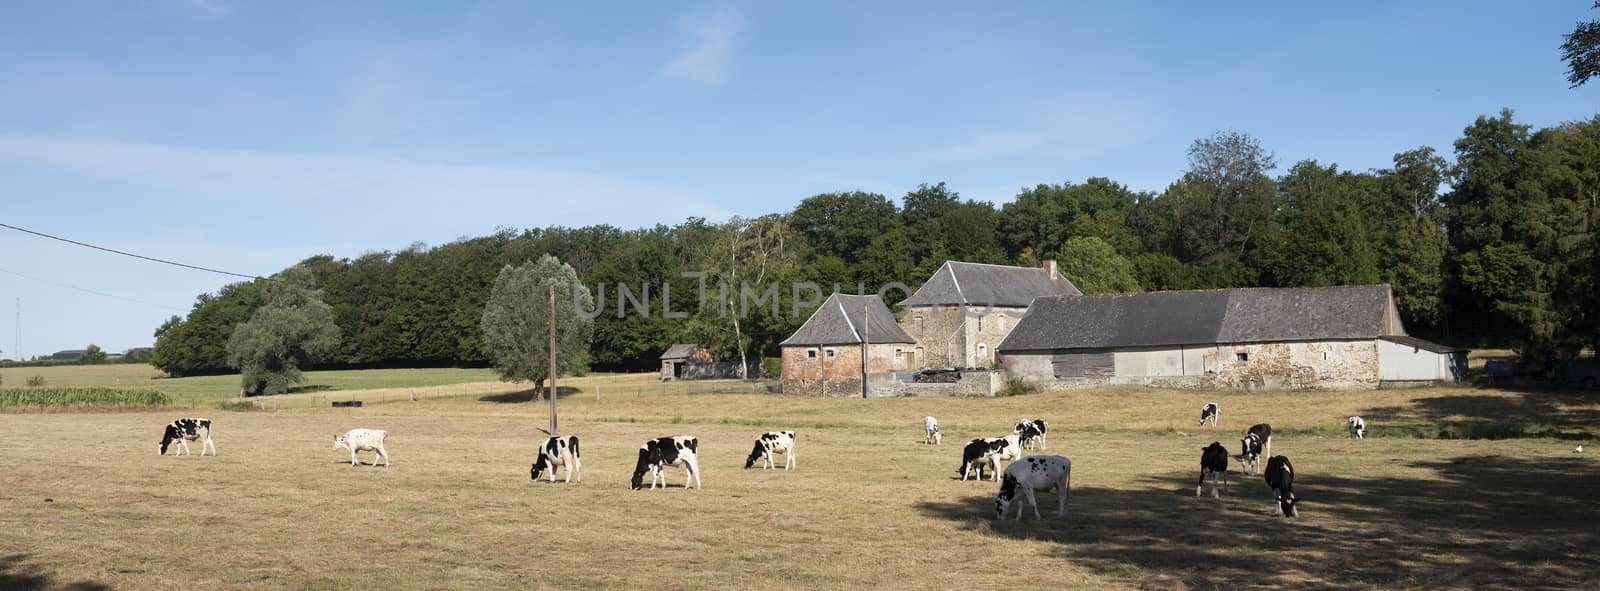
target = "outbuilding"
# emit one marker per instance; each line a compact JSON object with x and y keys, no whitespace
{"x":824,"y":357}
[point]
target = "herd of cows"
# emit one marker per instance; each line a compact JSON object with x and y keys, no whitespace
{"x":1026,"y":474}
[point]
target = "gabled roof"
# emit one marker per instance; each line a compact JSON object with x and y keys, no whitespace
{"x":957,"y":283}
{"x":1248,"y":315}
{"x":680,"y":351}
{"x":842,"y":319}
{"x":1421,"y":344}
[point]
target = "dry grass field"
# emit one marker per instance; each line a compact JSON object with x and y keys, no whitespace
{"x":86,"y":504}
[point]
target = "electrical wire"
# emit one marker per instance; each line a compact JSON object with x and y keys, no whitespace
{"x":89,"y":291}
{"x":129,"y":254}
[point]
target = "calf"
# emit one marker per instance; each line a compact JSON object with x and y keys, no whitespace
{"x":558,"y":453}
{"x":1209,"y":412}
{"x":930,"y":430}
{"x":185,"y":430}
{"x":1031,"y":432}
{"x":1358,"y":428}
{"x":656,"y":454}
{"x":364,"y":440}
{"x":988,"y":451}
{"x":1035,"y":473}
{"x":771,"y":443}
{"x":1213,"y":462}
{"x":1257,"y":442}
{"x":1280,"y":476}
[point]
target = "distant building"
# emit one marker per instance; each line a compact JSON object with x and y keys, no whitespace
{"x":676,"y":359}
{"x":68,"y":355}
{"x":961,"y":314}
{"x":824,"y":357}
{"x":1255,"y":338}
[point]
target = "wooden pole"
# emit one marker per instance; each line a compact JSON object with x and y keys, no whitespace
{"x":552,"y":393}
{"x":866,"y":337}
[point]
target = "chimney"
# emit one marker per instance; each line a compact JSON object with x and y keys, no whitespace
{"x":1049,"y":267}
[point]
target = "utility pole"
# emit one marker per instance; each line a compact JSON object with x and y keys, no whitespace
{"x":866,"y":340}
{"x":17,"y":351}
{"x":552,"y":394}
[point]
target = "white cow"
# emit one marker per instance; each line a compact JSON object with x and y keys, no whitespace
{"x":1035,"y":473}
{"x":930,"y":429}
{"x":1358,"y":428}
{"x":364,"y":440}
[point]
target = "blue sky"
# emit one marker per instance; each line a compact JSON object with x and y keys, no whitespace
{"x":247,"y":135}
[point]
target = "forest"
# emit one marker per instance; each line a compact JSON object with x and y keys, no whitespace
{"x":1492,"y":244}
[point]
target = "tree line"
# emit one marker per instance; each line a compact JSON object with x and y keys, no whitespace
{"x":1493,"y":247}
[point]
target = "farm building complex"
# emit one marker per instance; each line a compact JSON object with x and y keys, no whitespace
{"x":1256,"y":338}
{"x":960,"y":315}
{"x":824,"y":357}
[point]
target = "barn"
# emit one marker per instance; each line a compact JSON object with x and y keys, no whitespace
{"x":676,"y":359}
{"x":961,"y":313}
{"x":1253,"y":338}
{"x":824,"y":356}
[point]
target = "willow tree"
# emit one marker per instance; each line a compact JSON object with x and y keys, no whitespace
{"x":293,"y":327}
{"x":516,"y":321}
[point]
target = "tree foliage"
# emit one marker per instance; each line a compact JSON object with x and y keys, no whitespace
{"x":517,"y":317}
{"x":1095,"y":267}
{"x":93,"y":354}
{"x":291,"y":328}
{"x":1581,"y":51}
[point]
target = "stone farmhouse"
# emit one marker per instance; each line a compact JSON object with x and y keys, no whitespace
{"x":961,"y":314}
{"x":1255,"y":338}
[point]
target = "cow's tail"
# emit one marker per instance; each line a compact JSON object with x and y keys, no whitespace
{"x":572,"y":442}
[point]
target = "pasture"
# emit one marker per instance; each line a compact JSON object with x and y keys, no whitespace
{"x":86,"y":504}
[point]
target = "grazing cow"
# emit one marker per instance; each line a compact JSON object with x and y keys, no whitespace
{"x":1257,"y":443}
{"x":1280,"y":476}
{"x":1209,"y":412}
{"x":1031,"y":432}
{"x":772,"y":442}
{"x":988,"y":451}
{"x":1213,"y":462}
{"x":185,"y":430}
{"x":1358,"y":428}
{"x":364,"y":440}
{"x":930,"y":430}
{"x":1035,"y":473}
{"x":656,"y":454}
{"x":558,"y":453}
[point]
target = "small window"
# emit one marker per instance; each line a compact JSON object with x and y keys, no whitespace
{"x":811,"y":353}
{"x":983,"y":352}
{"x":917,"y":322}
{"x":1000,"y":324}
{"x":1242,"y":356}
{"x":830,"y":352}
{"x":980,"y":324}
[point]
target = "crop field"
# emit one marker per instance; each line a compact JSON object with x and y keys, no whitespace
{"x":85,"y":503}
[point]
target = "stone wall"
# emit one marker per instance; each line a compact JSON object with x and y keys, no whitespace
{"x":949,"y":336}
{"x":1315,"y":365}
{"x":840,"y":374}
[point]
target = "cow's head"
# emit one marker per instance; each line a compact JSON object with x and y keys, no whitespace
{"x":646,"y":457}
{"x":1008,"y":492}
{"x":537,"y":468}
{"x":755,"y":454}
{"x":339,"y":441}
{"x":937,"y":436}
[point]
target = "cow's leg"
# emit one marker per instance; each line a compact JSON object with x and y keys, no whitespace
{"x":352,"y":457}
{"x":1027,"y":491}
{"x":994,"y":465}
{"x":211,"y":444}
{"x":1061,"y":497}
{"x":1214,"y":494}
{"x":385,"y":453}
{"x":184,"y":443}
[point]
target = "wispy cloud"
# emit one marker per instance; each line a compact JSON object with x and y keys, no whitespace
{"x":709,"y":56}
{"x":207,"y":7}
{"x":988,"y":145}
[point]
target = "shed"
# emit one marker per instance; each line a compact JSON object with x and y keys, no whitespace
{"x":677,"y":357}
{"x":824,"y":356}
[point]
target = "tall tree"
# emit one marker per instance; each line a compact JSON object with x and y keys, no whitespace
{"x":1581,"y":51}
{"x":516,"y":321}
{"x":93,"y":354}
{"x":291,"y":329}
{"x":1225,"y":199}
{"x":1095,"y":267}
{"x":1324,"y":239}
{"x":1413,"y":246}
{"x":843,"y":224}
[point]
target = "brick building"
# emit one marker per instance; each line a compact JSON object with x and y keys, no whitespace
{"x":824,"y":357}
{"x":961,"y":314}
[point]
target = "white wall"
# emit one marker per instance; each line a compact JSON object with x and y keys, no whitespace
{"x":1404,"y":362}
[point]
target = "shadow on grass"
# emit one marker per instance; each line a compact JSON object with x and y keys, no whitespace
{"x":1484,"y":523}
{"x":526,"y":395}
{"x":1572,"y":416}
{"x":17,"y":574}
{"x":310,"y":388}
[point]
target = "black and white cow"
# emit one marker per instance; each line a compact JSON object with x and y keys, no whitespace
{"x":185,"y":430}
{"x":769,"y":443}
{"x":930,"y":431}
{"x":558,"y":453}
{"x":988,"y":451}
{"x":1035,"y":473}
{"x":656,"y":454}
{"x":1257,"y":443}
{"x":1209,"y":412}
{"x":1031,"y":432}
{"x":357,"y":440}
{"x":1358,"y":428}
{"x":1280,"y":476}
{"x":1213,"y":463}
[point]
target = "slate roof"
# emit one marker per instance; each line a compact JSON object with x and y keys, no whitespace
{"x":841,"y":319}
{"x":680,"y":351}
{"x":995,"y":285}
{"x":1248,"y":315}
{"x":1421,"y":344}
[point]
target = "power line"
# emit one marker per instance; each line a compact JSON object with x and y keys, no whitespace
{"x":125,"y":253}
{"x":85,"y":290}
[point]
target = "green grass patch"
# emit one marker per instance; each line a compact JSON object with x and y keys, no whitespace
{"x":10,"y":397}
